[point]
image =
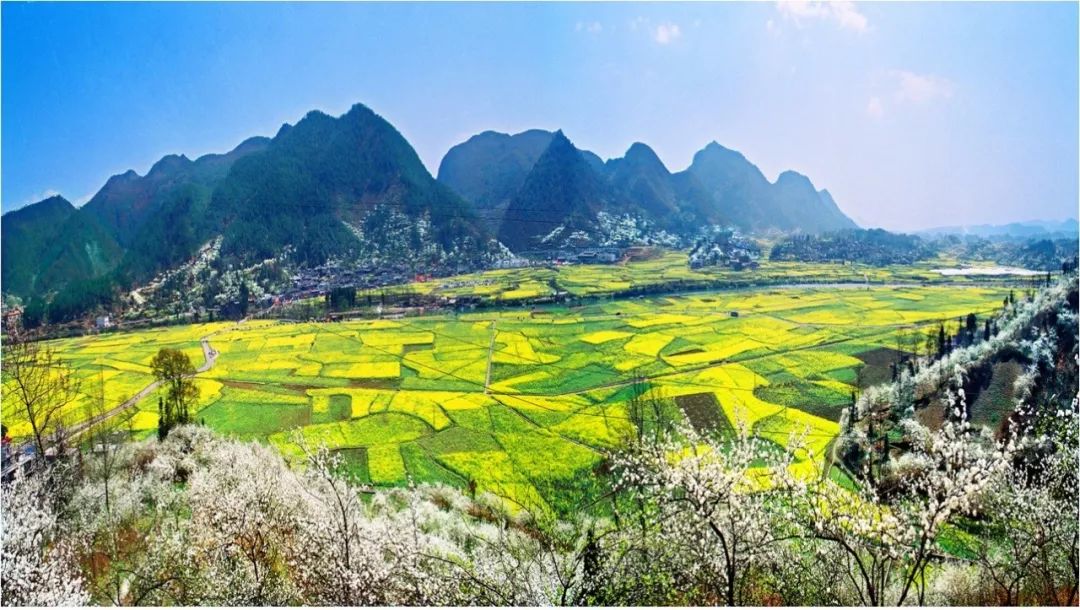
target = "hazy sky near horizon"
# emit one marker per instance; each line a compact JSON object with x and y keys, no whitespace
{"x":912,"y":114}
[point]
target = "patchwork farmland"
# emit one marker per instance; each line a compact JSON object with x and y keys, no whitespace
{"x":523,"y":404}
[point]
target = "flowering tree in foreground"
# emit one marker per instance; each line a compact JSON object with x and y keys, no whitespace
{"x":887,"y":543}
{"x":708,"y":510}
{"x":1032,"y":548}
{"x":38,"y":565}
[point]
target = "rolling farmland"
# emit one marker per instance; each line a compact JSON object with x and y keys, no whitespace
{"x":666,"y":270}
{"x":520,"y":403}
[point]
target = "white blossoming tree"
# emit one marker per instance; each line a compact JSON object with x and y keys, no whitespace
{"x":888,"y":542}
{"x":38,"y":567}
{"x":707,"y":510}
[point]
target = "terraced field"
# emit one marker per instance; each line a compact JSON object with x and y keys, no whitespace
{"x":524,"y":403}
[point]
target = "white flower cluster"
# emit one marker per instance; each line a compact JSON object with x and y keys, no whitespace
{"x":38,"y":567}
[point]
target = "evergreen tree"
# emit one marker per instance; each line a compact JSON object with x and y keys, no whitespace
{"x":243,"y":298}
{"x":163,"y":420}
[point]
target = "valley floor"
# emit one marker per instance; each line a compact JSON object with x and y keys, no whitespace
{"x":524,"y":404}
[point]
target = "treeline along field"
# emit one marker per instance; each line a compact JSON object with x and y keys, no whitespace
{"x":650,"y":273}
{"x":524,"y":404}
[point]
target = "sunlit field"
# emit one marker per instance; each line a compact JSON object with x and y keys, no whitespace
{"x":670,"y":269}
{"x":521,"y":403}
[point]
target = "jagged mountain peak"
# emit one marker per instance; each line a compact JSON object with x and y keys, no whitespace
{"x":329,"y":186}
{"x":48,"y":207}
{"x":360,"y":110}
{"x":643,"y":156}
{"x":250,"y":144}
{"x":721,"y":186}
{"x":55,"y":200}
{"x":559,"y":141}
{"x":561,"y":190}
{"x":794,"y":178}
{"x":121,"y":178}
{"x":169,"y":164}
{"x":714,"y":152}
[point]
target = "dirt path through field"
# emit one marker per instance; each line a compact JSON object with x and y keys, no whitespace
{"x":210,"y":358}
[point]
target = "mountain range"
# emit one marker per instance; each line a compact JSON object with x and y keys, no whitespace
{"x":1032,"y":228}
{"x":352,"y":186}
{"x":535,"y":189}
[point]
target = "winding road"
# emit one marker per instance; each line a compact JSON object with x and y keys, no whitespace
{"x":210,"y":358}
{"x":22,"y":456}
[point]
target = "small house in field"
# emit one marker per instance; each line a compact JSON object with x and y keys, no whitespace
{"x":102,"y":322}
{"x":734,"y":314}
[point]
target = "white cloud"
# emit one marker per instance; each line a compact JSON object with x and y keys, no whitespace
{"x":841,"y":12}
{"x":592,"y":27}
{"x":874,"y":107}
{"x":921,"y":88}
{"x":667,"y":33}
{"x":905,"y":88}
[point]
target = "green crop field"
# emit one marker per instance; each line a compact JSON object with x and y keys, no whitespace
{"x":670,"y":269}
{"x":521,"y":403}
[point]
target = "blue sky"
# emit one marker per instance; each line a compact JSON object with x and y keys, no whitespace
{"x":911,"y":114}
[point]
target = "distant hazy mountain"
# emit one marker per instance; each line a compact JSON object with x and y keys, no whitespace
{"x":720,"y":187}
{"x":561,"y":190}
{"x":801,"y":207}
{"x":739,"y":193}
{"x":490,"y":168}
{"x":1031,"y":228}
{"x":643,"y":178}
